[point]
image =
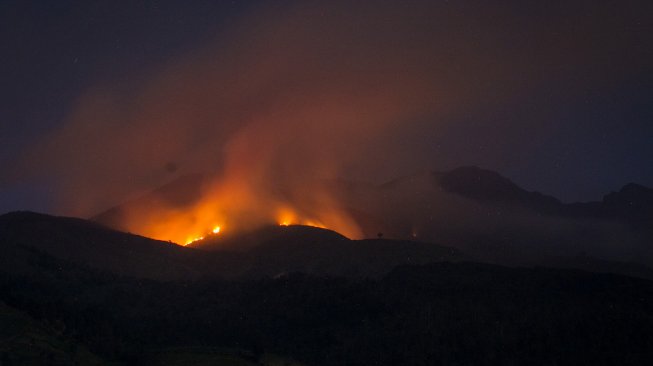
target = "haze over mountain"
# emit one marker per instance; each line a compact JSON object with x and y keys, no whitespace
{"x":476,"y":210}
{"x":414,"y":315}
{"x":270,"y":251}
{"x":307,"y":238}
{"x":311,"y":294}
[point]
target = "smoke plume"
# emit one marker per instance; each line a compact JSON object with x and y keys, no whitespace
{"x":293,"y":94}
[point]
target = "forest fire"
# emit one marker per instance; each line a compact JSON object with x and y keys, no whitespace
{"x":215,"y":231}
{"x":247,"y":194}
{"x":194,"y":240}
{"x":286,"y":220}
{"x":243,"y":209}
{"x":287,"y":217}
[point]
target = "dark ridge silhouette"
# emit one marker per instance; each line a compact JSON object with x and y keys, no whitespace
{"x":265,"y":236}
{"x":474,"y":210}
{"x":282,"y":249}
{"x":268,"y":251}
{"x":310,"y":295}
{"x":88,"y":243}
{"x":486,"y":185}
{"x":442,"y":313}
{"x":633,"y":203}
{"x":26,"y":341}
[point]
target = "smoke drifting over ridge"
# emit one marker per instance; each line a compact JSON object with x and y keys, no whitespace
{"x":301,"y":91}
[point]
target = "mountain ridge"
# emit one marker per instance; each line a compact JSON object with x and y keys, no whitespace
{"x":631,"y":201}
{"x":273,"y":250}
{"x":489,"y":217}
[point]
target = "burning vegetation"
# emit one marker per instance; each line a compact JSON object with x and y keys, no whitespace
{"x":224,"y":206}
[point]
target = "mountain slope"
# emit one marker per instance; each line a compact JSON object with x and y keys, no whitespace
{"x":276,"y":250}
{"x":492,"y":218}
{"x":632,"y":203}
{"x":488,"y":186}
{"x":33,"y":243}
{"x":24,"y":341}
{"x":443,"y":313}
{"x":477,"y":211}
{"x":25,"y":234}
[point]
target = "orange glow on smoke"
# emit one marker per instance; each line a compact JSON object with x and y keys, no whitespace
{"x":240,"y":207}
{"x":189,"y":241}
{"x":287,"y":217}
{"x":216,"y":230}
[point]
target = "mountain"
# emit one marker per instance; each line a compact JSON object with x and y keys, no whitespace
{"x":276,"y":250}
{"x":632,"y":203}
{"x":474,"y":210}
{"x":27,"y":236}
{"x":488,"y":216}
{"x":74,"y":290}
{"x":33,"y":242}
{"x":442,"y":313}
{"x":272,"y":236}
{"x":26,"y":341}
{"x":488,"y":186}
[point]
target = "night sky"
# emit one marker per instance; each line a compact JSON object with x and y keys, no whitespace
{"x":103,"y":100}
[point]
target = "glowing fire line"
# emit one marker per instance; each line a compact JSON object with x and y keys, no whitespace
{"x":215,"y":231}
{"x":286,"y":221}
{"x":208,"y":223}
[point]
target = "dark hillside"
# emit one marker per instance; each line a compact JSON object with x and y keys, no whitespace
{"x":445,"y":313}
{"x":93,"y":245}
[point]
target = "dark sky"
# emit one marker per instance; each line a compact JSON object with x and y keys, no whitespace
{"x":99,"y":99}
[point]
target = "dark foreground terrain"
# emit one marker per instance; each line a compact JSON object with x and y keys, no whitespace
{"x":417,"y":315}
{"x":442,"y":313}
{"x":60,"y":308}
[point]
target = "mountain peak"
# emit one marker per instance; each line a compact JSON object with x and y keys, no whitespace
{"x":482,"y":184}
{"x":633,"y":201}
{"x":486,"y":185}
{"x":634,"y":188}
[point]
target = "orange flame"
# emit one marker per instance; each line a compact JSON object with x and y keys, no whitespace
{"x":242,"y":202}
{"x":286,"y":217}
{"x":216,"y":230}
{"x":189,"y":241}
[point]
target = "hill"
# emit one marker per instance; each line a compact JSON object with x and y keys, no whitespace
{"x":276,"y":250}
{"x":308,"y":294}
{"x":27,"y":236}
{"x":25,"y":341}
{"x":633,"y":203}
{"x":474,"y":210}
{"x":481,"y":213}
{"x":33,"y":243}
{"x":443,"y":313}
{"x":490,"y":217}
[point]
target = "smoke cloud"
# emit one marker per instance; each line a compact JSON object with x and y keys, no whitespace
{"x":294,"y":93}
